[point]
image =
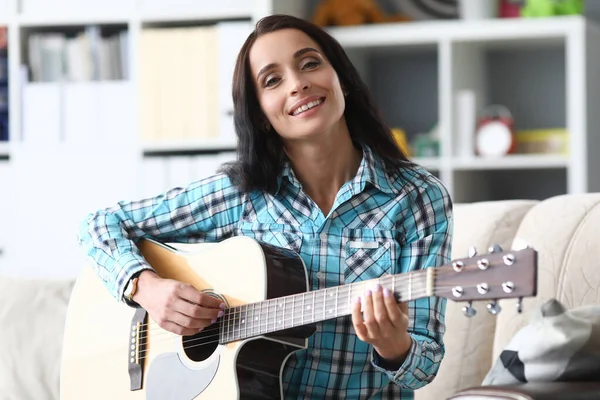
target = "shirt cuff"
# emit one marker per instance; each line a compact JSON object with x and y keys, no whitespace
{"x":130,"y":265}
{"x":405,"y":375}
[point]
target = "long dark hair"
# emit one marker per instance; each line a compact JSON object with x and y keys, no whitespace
{"x":260,"y":149}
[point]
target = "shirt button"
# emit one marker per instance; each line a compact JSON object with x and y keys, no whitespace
{"x":320,"y":275}
{"x":315,"y":353}
{"x":323,"y":236}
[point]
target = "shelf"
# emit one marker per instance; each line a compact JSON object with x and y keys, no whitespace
{"x":227,"y":15}
{"x":34,"y":21}
{"x":511,"y":162}
{"x":432,"y":32}
{"x":430,"y":163}
{"x":189,"y":146}
{"x":4,"y":149}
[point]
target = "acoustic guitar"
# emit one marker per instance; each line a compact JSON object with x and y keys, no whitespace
{"x":112,"y":351}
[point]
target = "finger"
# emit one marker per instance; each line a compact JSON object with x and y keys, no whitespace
{"x":394,"y":309}
{"x":369,"y":316}
{"x":193,"y":295}
{"x":357,"y":320}
{"x":198,"y":311}
{"x":187,"y":322}
{"x":380,"y":310}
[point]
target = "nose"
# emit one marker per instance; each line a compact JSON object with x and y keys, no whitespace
{"x":299,"y":84}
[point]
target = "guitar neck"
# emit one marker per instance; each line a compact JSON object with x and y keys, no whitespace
{"x":287,"y":312}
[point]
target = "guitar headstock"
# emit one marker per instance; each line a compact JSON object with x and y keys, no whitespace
{"x":493,"y":276}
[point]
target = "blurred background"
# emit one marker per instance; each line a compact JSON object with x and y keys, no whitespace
{"x":102,"y":101}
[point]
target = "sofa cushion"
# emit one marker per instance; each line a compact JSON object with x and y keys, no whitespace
{"x":558,"y":345}
{"x":564,"y":231}
{"x":32,"y":316}
{"x":469,"y":341}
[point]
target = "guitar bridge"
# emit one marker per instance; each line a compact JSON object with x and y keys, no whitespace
{"x":137,"y":349}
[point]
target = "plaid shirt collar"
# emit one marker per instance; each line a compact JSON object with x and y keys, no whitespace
{"x":371,"y":170}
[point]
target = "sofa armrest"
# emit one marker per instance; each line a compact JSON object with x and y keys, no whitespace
{"x":532,"y":391}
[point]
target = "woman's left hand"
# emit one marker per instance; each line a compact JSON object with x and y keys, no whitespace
{"x":383,"y":323}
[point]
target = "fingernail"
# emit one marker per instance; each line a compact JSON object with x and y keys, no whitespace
{"x":220,"y":314}
{"x":377,"y":288}
{"x":367,"y":292}
{"x":357,"y":299}
{"x":213,"y":321}
{"x":200,"y":330}
{"x":386,"y":292}
{"x":222,"y":306}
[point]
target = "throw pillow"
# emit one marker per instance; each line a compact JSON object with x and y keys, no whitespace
{"x":557,"y":345}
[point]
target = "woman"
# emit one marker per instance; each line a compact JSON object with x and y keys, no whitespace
{"x":317,"y":172}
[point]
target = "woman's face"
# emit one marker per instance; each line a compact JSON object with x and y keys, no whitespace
{"x":297,"y":88}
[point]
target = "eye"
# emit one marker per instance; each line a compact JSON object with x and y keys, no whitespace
{"x":310,"y":64}
{"x":270,"y":81}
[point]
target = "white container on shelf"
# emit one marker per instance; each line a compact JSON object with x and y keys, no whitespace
{"x":478,"y":9}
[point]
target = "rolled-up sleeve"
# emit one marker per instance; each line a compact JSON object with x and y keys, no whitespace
{"x":426,"y":243}
{"x":204,"y":211}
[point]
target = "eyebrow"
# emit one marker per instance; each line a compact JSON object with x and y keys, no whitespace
{"x":297,"y":54}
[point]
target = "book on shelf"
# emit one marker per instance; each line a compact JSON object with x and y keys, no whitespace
{"x":85,"y":56}
{"x":185,"y":80}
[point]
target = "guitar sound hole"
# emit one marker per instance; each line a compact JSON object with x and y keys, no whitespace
{"x":201,"y":345}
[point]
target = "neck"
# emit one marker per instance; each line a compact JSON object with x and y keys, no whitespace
{"x":322,"y":166}
{"x":307,"y":308}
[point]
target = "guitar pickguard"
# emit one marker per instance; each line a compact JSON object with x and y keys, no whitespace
{"x":169,"y":378}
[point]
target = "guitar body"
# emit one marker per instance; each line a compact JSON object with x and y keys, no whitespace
{"x":106,"y":353}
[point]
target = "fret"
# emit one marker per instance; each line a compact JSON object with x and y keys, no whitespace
{"x":349,"y":290}
{"x":274,"y":314}
{"x":239,"y":323}
{"x":229,"y":338}
{"x":293,"y":310}
{"x":324,"y":302}
{"x":221,"y":338}
{"x":260,"y":314}
{"x":282,"y":308}
{"x":313,"y":305}
{"x":302,"y":311}
{"x":337,"y":292}
{"x":245,"y":322}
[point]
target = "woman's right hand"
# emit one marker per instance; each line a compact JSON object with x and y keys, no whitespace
{"x":176,"y":306}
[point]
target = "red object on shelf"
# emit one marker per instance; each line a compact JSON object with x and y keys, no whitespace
{"x":510,"y":8}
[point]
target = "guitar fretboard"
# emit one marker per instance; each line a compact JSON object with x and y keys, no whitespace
{"x":297,"y":310}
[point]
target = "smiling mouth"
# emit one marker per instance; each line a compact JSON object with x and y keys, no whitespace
{"x":308,"y":106}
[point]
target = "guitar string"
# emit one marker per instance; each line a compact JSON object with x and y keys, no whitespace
{"x":415,"y":284}
{"x":270,"y":319}
{"x":234,"y":332}
{"x":237,"y":309}
{"x":203,"y":338}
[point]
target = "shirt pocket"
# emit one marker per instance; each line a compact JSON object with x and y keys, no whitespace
{"x":368,"y":254}
{"x":274,"y":234}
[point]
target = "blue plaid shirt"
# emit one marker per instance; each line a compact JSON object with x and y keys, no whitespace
{"x":409,"y":217}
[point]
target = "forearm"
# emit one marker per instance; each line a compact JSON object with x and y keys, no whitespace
{"x":419,"y":367}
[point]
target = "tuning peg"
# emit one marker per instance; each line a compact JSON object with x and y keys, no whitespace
{"x":468,"y":310}
{"x":494,"y":308}
{"x":472,"y":251}
{"x":520,"y":305}
{"x":495,"y":248}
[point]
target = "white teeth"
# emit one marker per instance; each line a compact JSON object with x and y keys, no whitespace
{"x":307,"y":106}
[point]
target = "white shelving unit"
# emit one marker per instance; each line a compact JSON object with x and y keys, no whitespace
{"x":546,"y":70}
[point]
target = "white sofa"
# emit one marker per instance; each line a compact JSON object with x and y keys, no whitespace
{"x":564,"y":229}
